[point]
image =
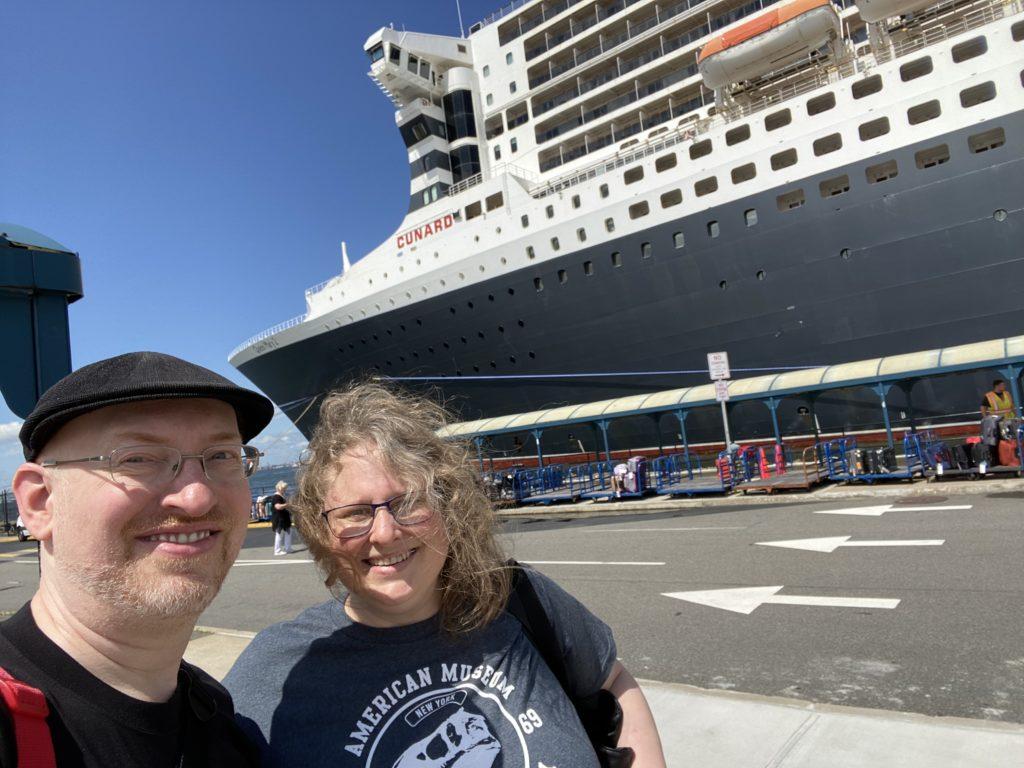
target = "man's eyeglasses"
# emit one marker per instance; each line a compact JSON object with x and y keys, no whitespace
{"x":152,"y":466}
{"x":353,"y":520}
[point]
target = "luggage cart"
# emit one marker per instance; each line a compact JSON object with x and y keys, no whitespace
{"x":602,"y":481}
{"x":678,"y":475}
{"x":547,"y":485}
{"x":787,"y":477}
{"x":843,"y":464}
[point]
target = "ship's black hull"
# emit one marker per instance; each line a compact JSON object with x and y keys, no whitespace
{"x":929,"y":258}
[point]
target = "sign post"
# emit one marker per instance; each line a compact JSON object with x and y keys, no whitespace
{"x":718,"y":369}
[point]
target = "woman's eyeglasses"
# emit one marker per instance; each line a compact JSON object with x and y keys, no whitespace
{"x":350,"y":521}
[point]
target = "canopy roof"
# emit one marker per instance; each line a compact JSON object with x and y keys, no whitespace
{"x":982,"y":354}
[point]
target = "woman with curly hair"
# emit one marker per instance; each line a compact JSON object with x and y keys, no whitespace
{"x":416,"y":661}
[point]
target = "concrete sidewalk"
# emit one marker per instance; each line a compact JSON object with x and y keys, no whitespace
{"x":725,"y":729}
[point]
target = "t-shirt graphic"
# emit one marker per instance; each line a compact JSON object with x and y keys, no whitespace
{"x":462,"y":740}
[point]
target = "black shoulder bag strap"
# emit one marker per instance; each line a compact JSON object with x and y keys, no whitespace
{"x":599,"y":712}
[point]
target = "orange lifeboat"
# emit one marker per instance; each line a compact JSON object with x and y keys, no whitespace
{"x":769,"y":41}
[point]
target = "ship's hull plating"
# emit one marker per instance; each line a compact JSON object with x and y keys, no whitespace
{"x":929,"y":258}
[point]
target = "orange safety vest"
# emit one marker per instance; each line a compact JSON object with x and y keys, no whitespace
{"x":1000,"y":405}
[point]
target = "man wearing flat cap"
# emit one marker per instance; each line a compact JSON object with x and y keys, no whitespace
{"x":135,"y":484}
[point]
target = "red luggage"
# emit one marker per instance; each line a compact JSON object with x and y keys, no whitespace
{"x":1008,"y":453}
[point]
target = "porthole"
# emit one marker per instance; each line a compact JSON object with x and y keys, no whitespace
{"x":713,"y":229}
{"x":462,"y":276}
{"x":521,"y":323}
{"x":490,"y":297}
{"x":750,"y":217}
{"x":761,"y":274}
{"x":609,"y":224}
{"x":678,"y":240}
{"x":532,"y":355}
{"x":501,"y":329}
{"x":616,"y":259}
{"x":881,"y":172}
{"x":481,"y":268}
{"x":563,"y":277}
{"x":554,"y":244}
{"x":723,"y":284}
{"x":469,"y":304}
{"x":511,"y":291}
{"x":550,"y":211}
{"x":575,"y":201}
{"x":524,"y":220}
{"x":538,"y":284}
{"x":603,"y":190}
{"x":512,"y":359}
{"x":581,"y":235}
{"x":529,"y":252}
{"x":503,"y":260}
{"x":588,"y":268}
{"x":999,"y":214}
{"x":845,"y":254}
{"x":645,"y":251}
{"x":480,"y":335}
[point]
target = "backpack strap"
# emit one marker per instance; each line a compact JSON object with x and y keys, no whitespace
{"x":28,"y":711}
{"x":525,"y":605}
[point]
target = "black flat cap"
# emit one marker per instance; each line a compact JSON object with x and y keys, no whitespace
{"x":133,"y":377}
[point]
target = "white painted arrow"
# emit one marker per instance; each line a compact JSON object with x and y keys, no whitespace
{"x":746,"y":599}
{"x":831,"y":543}
{"x":883,"y":508}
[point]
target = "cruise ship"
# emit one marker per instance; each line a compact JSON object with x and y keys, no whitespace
{"x":603,"y":192}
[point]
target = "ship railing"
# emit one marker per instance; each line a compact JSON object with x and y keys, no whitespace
{"x":266,"y":334}
{"x":979,"y":17}
{"x":495,"y":172}
{"x":320,"y":286}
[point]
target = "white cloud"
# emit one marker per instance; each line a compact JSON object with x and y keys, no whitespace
{"x":9,"y":431}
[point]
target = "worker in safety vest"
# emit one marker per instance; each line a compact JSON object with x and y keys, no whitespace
{"x":998,"y":402}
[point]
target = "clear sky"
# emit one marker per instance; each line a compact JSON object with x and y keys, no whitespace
{"x":205,"y":158}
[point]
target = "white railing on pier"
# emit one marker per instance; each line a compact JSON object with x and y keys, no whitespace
{"x":267,"y":333}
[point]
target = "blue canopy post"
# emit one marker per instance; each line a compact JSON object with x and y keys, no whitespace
{"x":597,"y":442}
{"x":773,"y":406}
{"x":478,"y":441}
{"x":604,"y":424}
{"x":882,"y":389}
{"x":1012,"y":372}
{"x":907,"y":387}
{"x":540,"y":453}
{"x":812,"y":401}
{"x":681,"y":414}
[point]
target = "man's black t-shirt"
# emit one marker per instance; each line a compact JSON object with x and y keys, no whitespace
{"x":280,"y":519}
{"x":94,"y":725}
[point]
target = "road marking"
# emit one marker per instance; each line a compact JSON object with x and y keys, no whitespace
{"x":746,"y":599}
{"x":242,"y":633}
{"x":18,"y":553}
{"x":830,"y":543}
{"x":270,"y":562}
{"x":882,"y":509}
{"x":662,"y":530}
{"x":585,"y":562}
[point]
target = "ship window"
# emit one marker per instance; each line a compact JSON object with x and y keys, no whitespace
{"x":581,"y":234}
{"x":777,"y":120}
{"x":497,"y":152}
{"x":575,"y":201}
{"x":495,"y":201}
{"x":413,"y":64}
{"x":633,"y":175}
{"x":977,"y":94}
{"x":866,"y":87}
{"x":616,"y":259}
{"x":1017,"y":31}
{"x":750,"y":217}
{"x":665,"y":162}
{"x":395,"y":52}
{"x":473,"y":210}
{"x":636,"y":210}
{"x":820,"y":104}
{"x":790,"y":200}
{"x":678,"y":240}
{"x":713,"y":229}
{"x":516,"y":115}
{"x":538,"y":284}
{"x":609,"y":224}
{"x":969,"y":49}
{"x":555,"y":245}
{"x":928,"y":158}
{"x":736,"y":135}
{"x":603,"y":190}
{"x":873,"y":129}
{"x":489,"y":99}
{"x":743,"y":173}
{"x":645,"y":250}
{"x":377,"y":52}
{"x":783,"y":159}
{"x":881,"y":172}
{"x":550,"y":211}
{"x":588,"y":268}
{"x":706,"y":186}
{"x":487,"y":70}
{"x":700,"y":149}
{"x":513,"y":145}
{"x":524,"y":220}
{"x":835,"y":186}
{"x":424,"y":69}
{"x":924,"y":112}
{"x":508,"y":57}
{"x":916,"y":68}
{"x":512,"y":87}
{"x":761,"y":274}
{"x":983,"y":142}
{"x":530,"y":253}
{"x":563,"y":276}
{"x":826,"y":144}
{"x":672,"y":197}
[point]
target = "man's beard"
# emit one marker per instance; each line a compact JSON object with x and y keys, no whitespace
{"x":151,"y":586}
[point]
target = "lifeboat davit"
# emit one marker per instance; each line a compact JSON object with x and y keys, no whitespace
{"x":876,"y":10}
{"x":769,"y":41}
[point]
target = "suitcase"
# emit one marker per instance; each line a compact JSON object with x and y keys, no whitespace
{"x":1008,"y":454}
{"x":981,"y":454}
{"x":962,"y":453}
{"x":869,"y":461}
{"x":887,"y":459}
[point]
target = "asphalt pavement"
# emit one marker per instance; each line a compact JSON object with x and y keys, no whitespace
{"x":868,"y":629}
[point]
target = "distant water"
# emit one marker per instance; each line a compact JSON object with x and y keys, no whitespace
{"x":264,"y":480}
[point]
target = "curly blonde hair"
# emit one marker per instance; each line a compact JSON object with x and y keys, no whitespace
{"x":404,"y":431}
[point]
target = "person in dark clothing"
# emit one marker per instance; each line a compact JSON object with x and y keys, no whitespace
{"x":135,"y":485}
{"x":281,"y":520}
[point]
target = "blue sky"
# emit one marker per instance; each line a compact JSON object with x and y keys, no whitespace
{"x":204,"y":158}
